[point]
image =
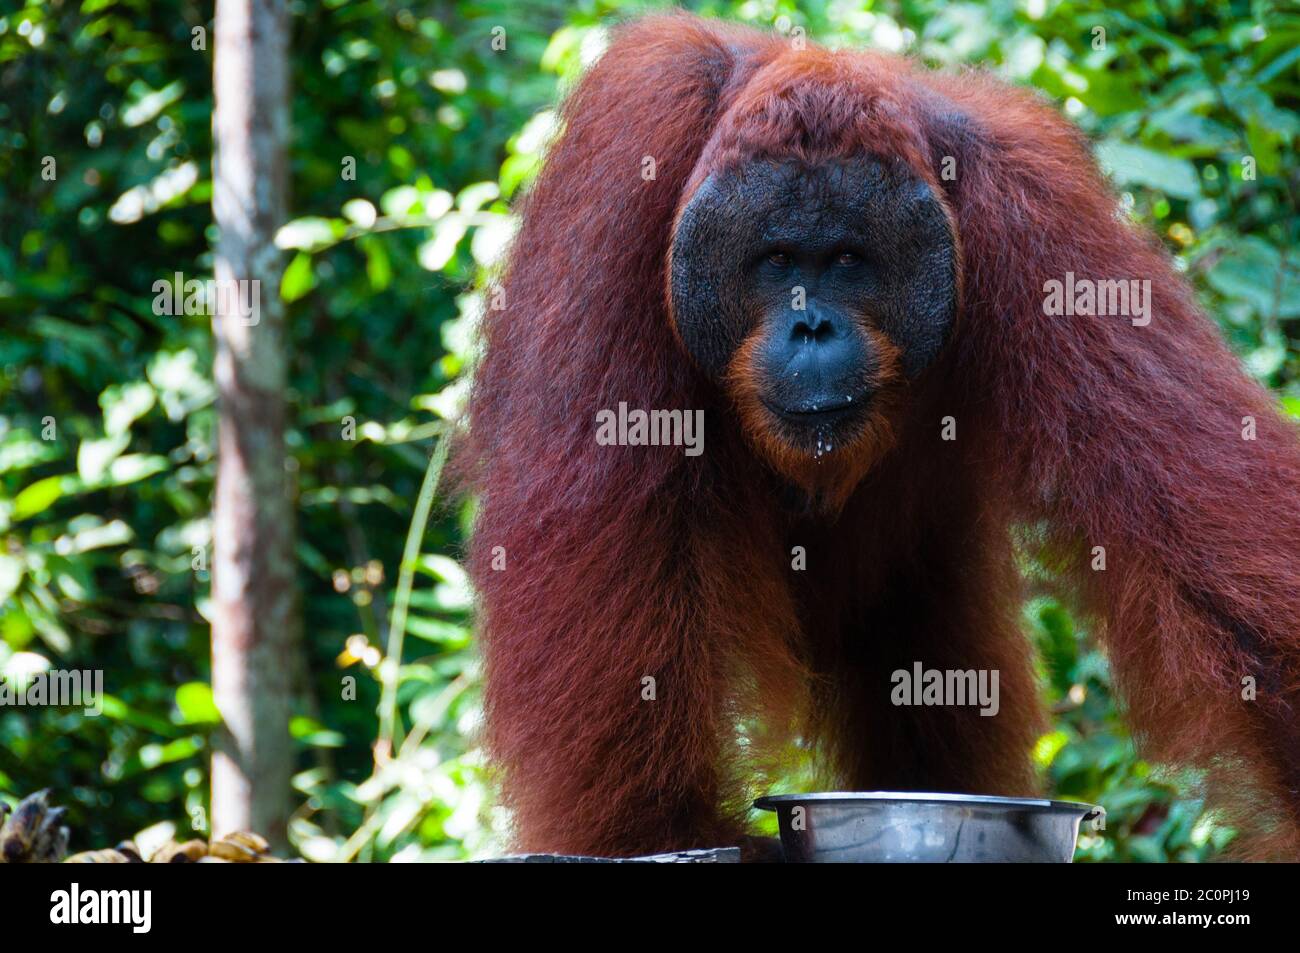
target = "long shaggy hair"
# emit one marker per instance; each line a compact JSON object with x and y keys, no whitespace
{"x":649,"y":606}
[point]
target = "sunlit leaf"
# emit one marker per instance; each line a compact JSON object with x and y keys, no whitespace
{"x":299,"y":278}
{"x":309,"y":233}
{"x":195,"y":705}
{"x":123,"y":404}
{"x":95,"y":456}
{"x":38,"y":497}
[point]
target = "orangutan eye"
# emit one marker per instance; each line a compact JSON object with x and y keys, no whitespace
{"x":779,"y":258}
{"x":847,"y":259}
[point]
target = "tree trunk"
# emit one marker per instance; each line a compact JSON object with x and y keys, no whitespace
{"x":254,"y":606}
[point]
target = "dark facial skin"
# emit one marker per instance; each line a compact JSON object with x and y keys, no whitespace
{"x":812,"y":351}
{"x":818,"y":283}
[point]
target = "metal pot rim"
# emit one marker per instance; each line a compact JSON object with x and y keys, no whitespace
{"x":772,"y":802}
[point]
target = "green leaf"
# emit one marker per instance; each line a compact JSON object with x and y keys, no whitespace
{"x":1130,"y":164}
{"x":444,"y":568}
{"x":437,"y":252}
{"x":1278,"y":66}
{"x":146,"y":103}
{"x":310,"y":233}
{"x":360,"y":212}
{"x":517,"y":171}
{"x":312,"y":733}
{"x":437,"y":631}
{"x":124,"y":404}
{"x":299,"y":278}
{"x":11,"y":576}
{"x":1267,"y":359}
{"x":19,"y":450}
{"x":180,"y":383}
{"x":195,"y":704}
{"x":118,"y":710}
{"x":401,"y":201}
{"x":96,"y":536}
{"x":1049,"y":746}
{"x":1252,"y":270}
{"x":37,"y":497}
{"x":473,"y":197}
{"x":133,"y":467}
{"x":378,"y":268}
{"x":1263,"y":143}
{"x":151,"y":756}
{"x":95,"y":456}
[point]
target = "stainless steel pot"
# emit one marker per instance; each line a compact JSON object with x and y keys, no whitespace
{"x":884,"y":827}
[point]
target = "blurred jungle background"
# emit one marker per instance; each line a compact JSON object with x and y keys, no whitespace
{"x":107,"y":416}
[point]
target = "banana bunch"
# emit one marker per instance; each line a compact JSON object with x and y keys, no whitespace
{"x":35,"y":834}
{"x":240,"y":847}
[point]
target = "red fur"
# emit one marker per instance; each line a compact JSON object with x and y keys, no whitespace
{"x":625,"y":562}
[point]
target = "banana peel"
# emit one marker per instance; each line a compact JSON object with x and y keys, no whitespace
{"x":238,"y":847}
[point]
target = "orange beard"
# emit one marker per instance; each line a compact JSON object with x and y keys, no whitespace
{"x":828,"y":476}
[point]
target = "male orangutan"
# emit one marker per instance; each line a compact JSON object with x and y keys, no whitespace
{"x":846,"y":262}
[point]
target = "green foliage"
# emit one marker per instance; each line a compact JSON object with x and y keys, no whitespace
{"x":106,"y":416}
